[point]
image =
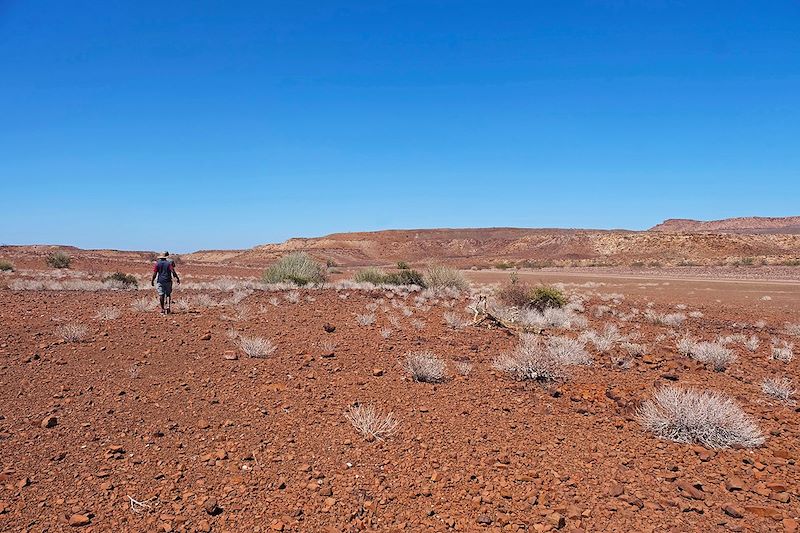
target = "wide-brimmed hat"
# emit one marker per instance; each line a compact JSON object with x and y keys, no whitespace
{"x":164,"y":254}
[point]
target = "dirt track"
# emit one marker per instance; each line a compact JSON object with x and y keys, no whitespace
{"x":148,"y":407}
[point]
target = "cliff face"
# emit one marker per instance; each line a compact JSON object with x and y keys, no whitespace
{"x":731,"y":225}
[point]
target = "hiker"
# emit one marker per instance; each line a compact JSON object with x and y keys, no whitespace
{"x":164,"y":270}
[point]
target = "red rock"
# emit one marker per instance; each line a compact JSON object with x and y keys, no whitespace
{"x":763,"y":511}
{"x":734,"y":483}
{"x":203,"y":526}
{"x":79,"y":520}
{"x":690,"y":491}
{"x":49,"y":422}
{"x":617,"y":489}
{"x":556,"y":520}
{"x":789,"y":525}
{"x":733,"y":511}
{"x":206,"y":337}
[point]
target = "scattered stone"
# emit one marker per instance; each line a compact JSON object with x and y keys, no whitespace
{"x":49,"y":422}
{"x":79,"y":520}
{"x":377,"y":372}
{"x":203,"y":526}
{"x":617,"y":489}
{"x":690,"y":491}
{"x":733,"y":511}
{"x":556,"y":520}
{"x":276,"y":525}
{"x":230,"y":355}
{"x":734,"y":483}
{"x":203,"y":424}
{"x":206,"y":337}
{"x":329,"y":328}
{"x":211,"y":506}
{"x":763,"y":511}
{"x":484,"y":520}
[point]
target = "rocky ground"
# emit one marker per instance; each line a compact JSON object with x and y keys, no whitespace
{"x":153,"y":423}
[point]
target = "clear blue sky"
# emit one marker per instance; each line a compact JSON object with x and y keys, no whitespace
{"x":186,"y":125}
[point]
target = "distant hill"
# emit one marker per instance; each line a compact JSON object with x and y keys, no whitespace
{"x":731,"y":225}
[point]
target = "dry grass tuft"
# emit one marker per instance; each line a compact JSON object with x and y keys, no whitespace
{"x":705,"y":417}
{"x":365,"y":319}
{"x":778,"y":388}
{"x":72,"y":332}
{"x":144,"y":304}
{"x":529,"y":361}
{"x":256,"y":347}
{"x":425,"y":367}
{"x":782,"y":351}
{"x":370,"y":423}
{"x":107,"y":313}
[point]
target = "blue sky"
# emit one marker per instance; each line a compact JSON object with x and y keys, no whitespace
{"x":188,"y":125}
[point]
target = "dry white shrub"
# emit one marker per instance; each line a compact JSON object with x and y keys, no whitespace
{"x":292,"y":297}
{"x":107,"y":313}
{"x":203,"y":300}
{"x":370,"y":423}
{"x":568,"y":351}
{"x":256,"y":347}
{"x":696,"y":314}
{"x":778,"y":388}
{"x":418,"y":324}
{"x":604,"y":341}
{"x":633,"y":349}
{"x":394,"y":321}
{"x":328,"y":347}
{"x":552,"y":318}
{"x":752,"y":343}
{"x":782,"y":350}
{"x":386,"y":332}
{"x":232,"y":334}
{"x":463,"y":367}
{"x":182,"y":304}
{"x":365,"y":320}
{"x":685,"y":344}
{"x":705,"y":417}
{"x":672,"y":320}
{"x":72,"y":332}
{"x":274,"y":301}
{"x":792,"y":329}
{"x":529,"y":361}
{"x":144,"y":304}
{"x":454,"y":320}
{"x":425,"y":367}
{"x":760,"y":324}
{"x":372,"y":307}
{"x":713,"y":353}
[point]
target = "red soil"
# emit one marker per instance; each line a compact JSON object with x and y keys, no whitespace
{"x":149,"y":407}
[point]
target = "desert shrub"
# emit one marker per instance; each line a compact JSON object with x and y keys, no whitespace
{"x":5,"y":266}
{"x":778,"y":388}
{"x":127,"y":280}
{"x":792,"y":329}
{"x":402,"y":265}
{"x":713,"y":353}
{"x":529,"y":361}
{"x":672,"y":320}
{"x":463,"y":367}
{"x":783,"y":351}
{"x":454,"y":320}
{"x":72,"y":332}
{"x":107,"y":313}
{"x":604,"y":341}
{"x":292,"y":297}
{"x":425,"y":367}
{"x":372,"y":275}
{"x":514,"y":294}
{"x":552,"y":317}
{"x":370,"y":423}
{"x":545,"y":297}
{"x":366,"y":319}
{"x":256,"y":347}
{"x":752,"y":343}
{"x":568,"y":351}
{"x":405,"y":276}
{"x":58,"y":260}
{"x":443,"y":276}
{"x":298,"y":268}
{"x":633,"y":349}
{"x":705,"y":417}
{"x":143,"y":304}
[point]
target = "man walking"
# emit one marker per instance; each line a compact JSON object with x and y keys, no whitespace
{"x":164,"y":270}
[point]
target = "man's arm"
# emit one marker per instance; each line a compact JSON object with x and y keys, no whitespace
{"x":155,"y":273}
{"x":174,"y":272}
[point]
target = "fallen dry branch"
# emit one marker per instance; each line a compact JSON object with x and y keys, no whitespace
{"x":489,"y":320}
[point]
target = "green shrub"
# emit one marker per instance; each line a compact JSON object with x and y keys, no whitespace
{"x":402,"y":265}
{"x":298,"y":268}
{"x":58,"y":260}
{"x":503,"y":265}
{"x":370,"y":275}
{"x":444,"y":276}
{"x":405,"y":277}
{"x":544,"y":297}
{"x":379,"y":277}
{"x":521,"y":295}
{"x":5,"y":266}
{"x":128,"y":280}
{"x":790,"y":263}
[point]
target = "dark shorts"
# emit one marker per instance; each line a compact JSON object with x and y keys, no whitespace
{"x":164,"y":288}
